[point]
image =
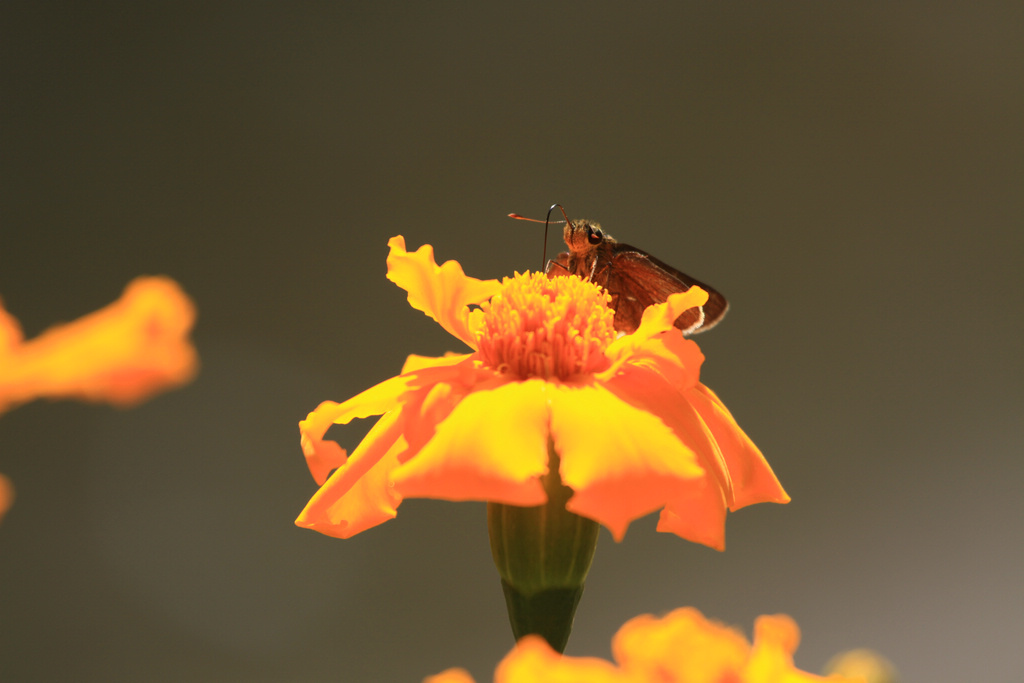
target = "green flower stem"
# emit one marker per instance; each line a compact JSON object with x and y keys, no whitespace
{"x":543,"y":554}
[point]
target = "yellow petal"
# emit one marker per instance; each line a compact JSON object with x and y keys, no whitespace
{"x":121,"y":354}
{"x":681,"y":646}
{"x":776,"y":638}
{"x":358,"y":495}
{"x":425,"y":409}
{"x":323,"y":456}
{"x":862,"y":664}
{"x":386,"y":395}
{"x":533,"y":661}
{"x":443,"y":292}
{"x":492,"y":446}
{"x":752,"y":478}
{"x":621,"y":462}
{"x":414,"y":362}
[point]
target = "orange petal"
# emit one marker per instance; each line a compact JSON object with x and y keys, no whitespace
{"x":323,"y":456}
{"x":492,"y":446}
{"x":656,"y":320}
{"x":676,"y":359}
{"x":6,"y":495}
{"x":443,"y":292}
{"x":681,"y":646}
{"x":450,"y":676}
{"x":697,"y":516}
{"x":738,"y":473}
{"x":121,"y":354}
{"x":358,"y":495}
{"x":424,"y":410}
{"x":752,"y":478}
{"x":533,"y":661}
{"x":649,"y":391}
{"x":696,"y":510}
{"x":621,"y":461}
{"x":10,"y":333}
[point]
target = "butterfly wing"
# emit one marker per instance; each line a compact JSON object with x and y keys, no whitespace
{"x":636,"y":280}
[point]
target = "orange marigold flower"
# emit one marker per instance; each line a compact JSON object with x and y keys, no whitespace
{"x":681,"y":647}
{"x":122,"y":353}
{"x":633,"y":427}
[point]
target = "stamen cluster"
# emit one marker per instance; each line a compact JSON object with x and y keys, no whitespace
{"x":546,"y":327}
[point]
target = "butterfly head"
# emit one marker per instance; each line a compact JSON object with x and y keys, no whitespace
{"x":582,"y":236}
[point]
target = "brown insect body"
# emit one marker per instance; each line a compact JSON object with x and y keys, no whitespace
{"x":634,"y":278}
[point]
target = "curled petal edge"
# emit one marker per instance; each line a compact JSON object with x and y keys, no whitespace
{"x":358,"y":496}
{"x":322,"y":456}
{"x":442,"y":292}
{"x":657,"y":319}
{"x":753,"y":480}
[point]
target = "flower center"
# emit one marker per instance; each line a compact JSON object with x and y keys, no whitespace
{"x":546,"y":327}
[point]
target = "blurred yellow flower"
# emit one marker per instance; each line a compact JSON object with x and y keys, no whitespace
{"x":120,"y":354}
{"x":863,"y":663}
{"x":634,"y":429}
{"x":681,"y":647}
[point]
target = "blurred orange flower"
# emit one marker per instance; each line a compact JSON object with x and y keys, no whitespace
{"x":6,"y":495}
{"x":121,"y":354}
{"x":681,"y":647}
{"x":634,"y":428}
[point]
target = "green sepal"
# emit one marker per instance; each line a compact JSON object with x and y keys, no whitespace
{"x":543,"y":554}
{"x":548,"y":613}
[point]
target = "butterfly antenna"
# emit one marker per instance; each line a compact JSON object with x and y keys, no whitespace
{"x":547,"y":219}
{"x":546,"y":222}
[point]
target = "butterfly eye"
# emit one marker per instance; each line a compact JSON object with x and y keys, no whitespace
{"x":593,"y":236}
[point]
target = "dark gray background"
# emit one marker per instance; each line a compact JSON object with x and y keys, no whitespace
{"x":850,"y":176}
